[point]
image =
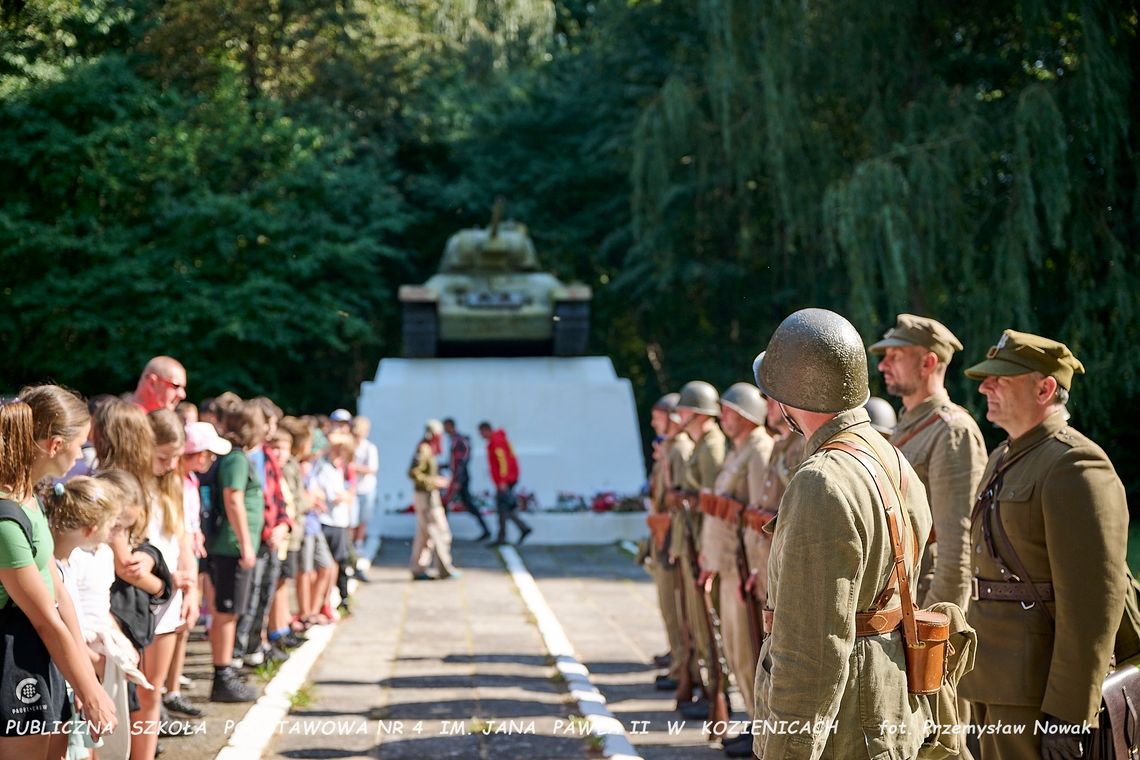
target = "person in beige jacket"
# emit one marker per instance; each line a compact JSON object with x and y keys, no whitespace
{"x":1051,"y":511}
{"x":831,"y":682}
{"x":741,"y":479}
{"x":432,"y":543}
{"x":941,"y":441}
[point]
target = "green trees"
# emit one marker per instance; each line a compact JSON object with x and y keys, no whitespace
{"x":245,"y":184}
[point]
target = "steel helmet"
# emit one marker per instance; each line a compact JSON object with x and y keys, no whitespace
{"x":882,"y":414}
{"x":700,"y":397}
{"x":668,"y":402}
{"x":745,"y":400}
{"x":815,"y":361}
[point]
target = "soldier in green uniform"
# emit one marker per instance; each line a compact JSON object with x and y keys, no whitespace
{"x":1051,"y":511}
{"x":431,"y":545}
{"x":941,"y":441}
{"x":831,"y":681}
{"x":741,"y":478}
{"x":674,"y":446}
{"x":699,"y":407}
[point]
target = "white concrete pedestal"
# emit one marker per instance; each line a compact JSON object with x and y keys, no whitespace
{"x":572,"y":423}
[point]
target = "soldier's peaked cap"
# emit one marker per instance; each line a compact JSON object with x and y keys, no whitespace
{"x":1017,"y":353}
{"x":912,"y":330}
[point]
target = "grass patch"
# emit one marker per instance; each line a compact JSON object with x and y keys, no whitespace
{"x":301,"y":698}
{"x":267,"y":670}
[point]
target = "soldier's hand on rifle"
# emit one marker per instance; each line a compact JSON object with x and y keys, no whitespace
{"x":750,"y":581}
{"x":703,"y":578}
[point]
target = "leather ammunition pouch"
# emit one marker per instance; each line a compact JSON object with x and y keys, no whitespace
{"x":756,"y":519}
{"x":659,"y":524}
{"x":721,"y":507}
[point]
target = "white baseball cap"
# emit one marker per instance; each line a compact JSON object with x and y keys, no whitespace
{"x":341,"y":415}
{"x":201,"y":436}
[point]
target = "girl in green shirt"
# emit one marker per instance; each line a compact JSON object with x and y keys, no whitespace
{"x":40,"y":436}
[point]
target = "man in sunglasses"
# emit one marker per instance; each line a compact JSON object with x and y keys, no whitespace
{"x":162,"y":385}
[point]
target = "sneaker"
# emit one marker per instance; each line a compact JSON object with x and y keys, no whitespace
{"x":184,"y":681}
{"x":422,"y":577}
{"x":275,"y":654}
{"x":229,"y":688}
{"x":253,"y":659}
{"x":291,"y":641}
{"x":180,"y":704}
{"x":522,"y":536}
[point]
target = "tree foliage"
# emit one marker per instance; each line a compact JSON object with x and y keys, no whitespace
{"x":246,"y":184}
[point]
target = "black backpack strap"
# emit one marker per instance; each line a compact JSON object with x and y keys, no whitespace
{"x":10,"y":510}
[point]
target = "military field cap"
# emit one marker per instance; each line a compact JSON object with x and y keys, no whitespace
{"x":1017,"y":353}
{"x":911,"y":330}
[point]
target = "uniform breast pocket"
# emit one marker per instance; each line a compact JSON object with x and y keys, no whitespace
{"x":1017,"y":517}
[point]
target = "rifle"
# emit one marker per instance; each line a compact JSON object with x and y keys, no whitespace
{"x":751,"y":608}
{"x":715,"y":661}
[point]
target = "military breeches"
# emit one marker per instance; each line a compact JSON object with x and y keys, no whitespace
{"x":432,"y":544}
{"x":696,"y":615}
{"x":737,"y":639}
{"x":666,"y":581}
{"x":1009,"y":746}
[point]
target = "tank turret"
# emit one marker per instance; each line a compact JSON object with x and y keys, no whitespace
{"x":491,"y":294}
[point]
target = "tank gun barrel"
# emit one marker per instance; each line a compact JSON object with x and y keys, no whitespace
{"x":496,"y":216}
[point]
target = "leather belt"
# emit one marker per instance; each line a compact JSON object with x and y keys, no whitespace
{"x":1000,"y":591}
{"x":866,"y":623}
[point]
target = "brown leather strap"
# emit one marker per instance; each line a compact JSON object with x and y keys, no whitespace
{"x":756,"y":519}
{"x":870,"y":462}
{"x":1001,"y":591}
{"x":866,"y":623}
{"x":934,"y":417}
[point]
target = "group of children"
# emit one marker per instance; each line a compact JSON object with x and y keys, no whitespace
{"x":118,"y":526}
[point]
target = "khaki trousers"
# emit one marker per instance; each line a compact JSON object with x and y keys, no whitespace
{"x":432,"y":544}
{"x":998,"y":746}
{"x":665,"y":578}
{"x":737,"y":639}
{"x":694,"y":611}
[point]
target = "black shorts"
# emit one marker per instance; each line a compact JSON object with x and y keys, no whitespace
{"x":337,"y":539}
{"x":289,"y":566}
{"x":231,"y":584}
{"x":33,"y":694}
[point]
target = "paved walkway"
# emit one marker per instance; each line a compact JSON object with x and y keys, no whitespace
{"x":608,"y":608}
{"x":436,"y":670}
{"x":457,"y":669}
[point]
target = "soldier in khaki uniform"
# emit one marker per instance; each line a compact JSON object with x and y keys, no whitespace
{"x":942,"y":442}
{"x":787,"y":453}
{"x":699,"y":407}
{"x":741,"y":478}
{"x":432,"y":542}
{"x":669,"y":460}
{"x":1052,"y":511}
{"x":831,"y":681}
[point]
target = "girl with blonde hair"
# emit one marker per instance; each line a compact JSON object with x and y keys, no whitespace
{"x":40,"y":436}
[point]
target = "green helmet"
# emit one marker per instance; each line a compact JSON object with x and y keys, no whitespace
{"x":882,"y":414}
{"x":699,"y":397}
{"x":815,"y":361}
{"x":745,"y":400}
{"x":668,"y":402}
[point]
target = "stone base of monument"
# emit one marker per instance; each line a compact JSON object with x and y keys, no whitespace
{"x":549,"y":528}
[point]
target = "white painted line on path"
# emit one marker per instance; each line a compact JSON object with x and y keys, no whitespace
{"x":591,"y":703}
{"x":258,"y":726}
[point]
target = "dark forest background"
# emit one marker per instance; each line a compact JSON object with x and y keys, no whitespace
{"x":244,"y":185}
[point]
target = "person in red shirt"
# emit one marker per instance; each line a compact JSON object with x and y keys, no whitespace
{"x":505,"y":474}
